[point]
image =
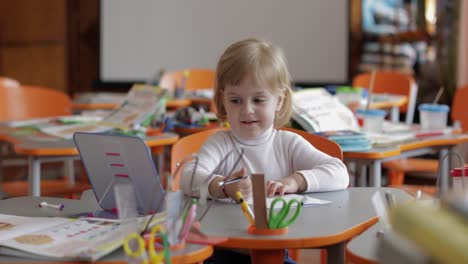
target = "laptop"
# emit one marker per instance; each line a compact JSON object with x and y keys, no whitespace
{"x":111,"y":160}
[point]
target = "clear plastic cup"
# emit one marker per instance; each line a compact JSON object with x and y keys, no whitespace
{"x":433,"y":116}
{"x":372,"y":119}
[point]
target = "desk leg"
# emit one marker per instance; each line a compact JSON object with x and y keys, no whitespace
{"x":444,"y":168}
{"x":376,"y":174}
{"x":336,"y":253}
{"x":34,"y":176}
{"x":395,"y":114}
{"x":362,"y":182}
{"x":69,"y":170}
{"x":267,"y":256}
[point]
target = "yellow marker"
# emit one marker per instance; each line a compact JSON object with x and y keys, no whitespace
{"x":245,"y":208}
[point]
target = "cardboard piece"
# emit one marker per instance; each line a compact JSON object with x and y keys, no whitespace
{"x":259,"y":197}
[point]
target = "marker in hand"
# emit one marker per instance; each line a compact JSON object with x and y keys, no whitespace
{"x":56,"y":206}
{"x":245,"y":208}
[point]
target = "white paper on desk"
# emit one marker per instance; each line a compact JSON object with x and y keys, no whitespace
{"x":306,"y":200}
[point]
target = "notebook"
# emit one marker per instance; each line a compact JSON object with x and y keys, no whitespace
{"x":110,"y":160}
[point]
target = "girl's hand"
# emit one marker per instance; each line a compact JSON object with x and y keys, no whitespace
{"x":244,"y":186}
{"x":291,"y":184}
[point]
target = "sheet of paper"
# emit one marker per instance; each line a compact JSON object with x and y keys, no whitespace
{"x":306,"y":200}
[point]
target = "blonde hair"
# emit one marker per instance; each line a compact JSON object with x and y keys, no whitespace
{"x":259,"y":60}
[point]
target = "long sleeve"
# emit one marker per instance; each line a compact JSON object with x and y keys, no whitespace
{"x":321,"y":171}
{"x":279,"y":154}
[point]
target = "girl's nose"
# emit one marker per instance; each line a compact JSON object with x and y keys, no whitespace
{"x":248,"y":108}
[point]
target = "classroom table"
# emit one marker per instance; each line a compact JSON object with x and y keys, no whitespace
{"x":38,"y":148}
{"x":109,"y":101}
{"x":326,"y":226}
{"x":27,"y":206}
{"x":389,"y":101}
{"x":443,"y":144}
{"x":363,"y":248}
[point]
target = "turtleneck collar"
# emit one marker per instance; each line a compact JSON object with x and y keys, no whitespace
{"x":254,"y":141}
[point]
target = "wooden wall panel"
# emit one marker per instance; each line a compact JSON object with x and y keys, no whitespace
{"x":33,"y":42}
{"x":36,"y":65}
{"x":30,"y":20}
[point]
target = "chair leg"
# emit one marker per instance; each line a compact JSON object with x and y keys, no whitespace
{"x":323,"y":256}
{"x":295,"y":254}
{"x":396,"y":178}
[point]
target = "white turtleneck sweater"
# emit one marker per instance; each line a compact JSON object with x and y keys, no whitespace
{"x":276,"y":154}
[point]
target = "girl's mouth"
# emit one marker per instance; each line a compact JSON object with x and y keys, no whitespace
{"x":249,"y":122}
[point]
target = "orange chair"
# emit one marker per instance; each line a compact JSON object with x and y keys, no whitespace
{"x":459,"y":112}
{"x":192,"y":143}
{"x":395,"y":83}
{"x":8,"y":82}
{"x":27,"y":102}
{"x":197,"y":79}
{"x":398,"y":168}
{"x":392,"y":82}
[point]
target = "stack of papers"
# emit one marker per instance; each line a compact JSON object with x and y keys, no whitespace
{"x":348,"y":140}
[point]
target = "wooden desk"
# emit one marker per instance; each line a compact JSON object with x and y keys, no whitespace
{"x":374,"y":157}
{"x":27,"y":206}
{"x":109,"y":101}
{"x":328,"y":226}
{"x":39,"y":148}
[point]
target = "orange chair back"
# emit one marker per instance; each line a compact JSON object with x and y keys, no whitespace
{"x":392,"y":82}
{"x":8,"y":82}
{"x":192,"y":143}
{"x":460,"y":107}
{"x":26,"y":102}
{"x":197,"y":79}
{"x":321,"y":143}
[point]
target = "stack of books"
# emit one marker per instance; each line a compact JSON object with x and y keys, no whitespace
{"x":349,"y":140}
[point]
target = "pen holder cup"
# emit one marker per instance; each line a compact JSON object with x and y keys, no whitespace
{"x":267,"y":232}
{"x":433,"y":116}
{"x":371,"y":119}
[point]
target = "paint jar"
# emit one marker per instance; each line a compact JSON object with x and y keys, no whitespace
{"x":433,"y":116}
{"x":371,"y":119}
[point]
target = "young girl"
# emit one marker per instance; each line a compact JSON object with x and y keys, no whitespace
{"x":253,"y":93}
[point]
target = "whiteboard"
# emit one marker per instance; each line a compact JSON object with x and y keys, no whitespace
{"x":140,"y":37}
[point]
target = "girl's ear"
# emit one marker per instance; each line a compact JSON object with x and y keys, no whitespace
{"x":279,"y":104}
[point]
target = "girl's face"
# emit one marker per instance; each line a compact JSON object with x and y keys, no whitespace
{"x":250,"y":108}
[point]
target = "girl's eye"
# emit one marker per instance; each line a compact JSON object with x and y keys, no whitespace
{"x":235,"y":101}
{"x":259,"y":100}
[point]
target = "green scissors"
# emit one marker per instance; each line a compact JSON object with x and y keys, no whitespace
{"x":279,"y":220}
